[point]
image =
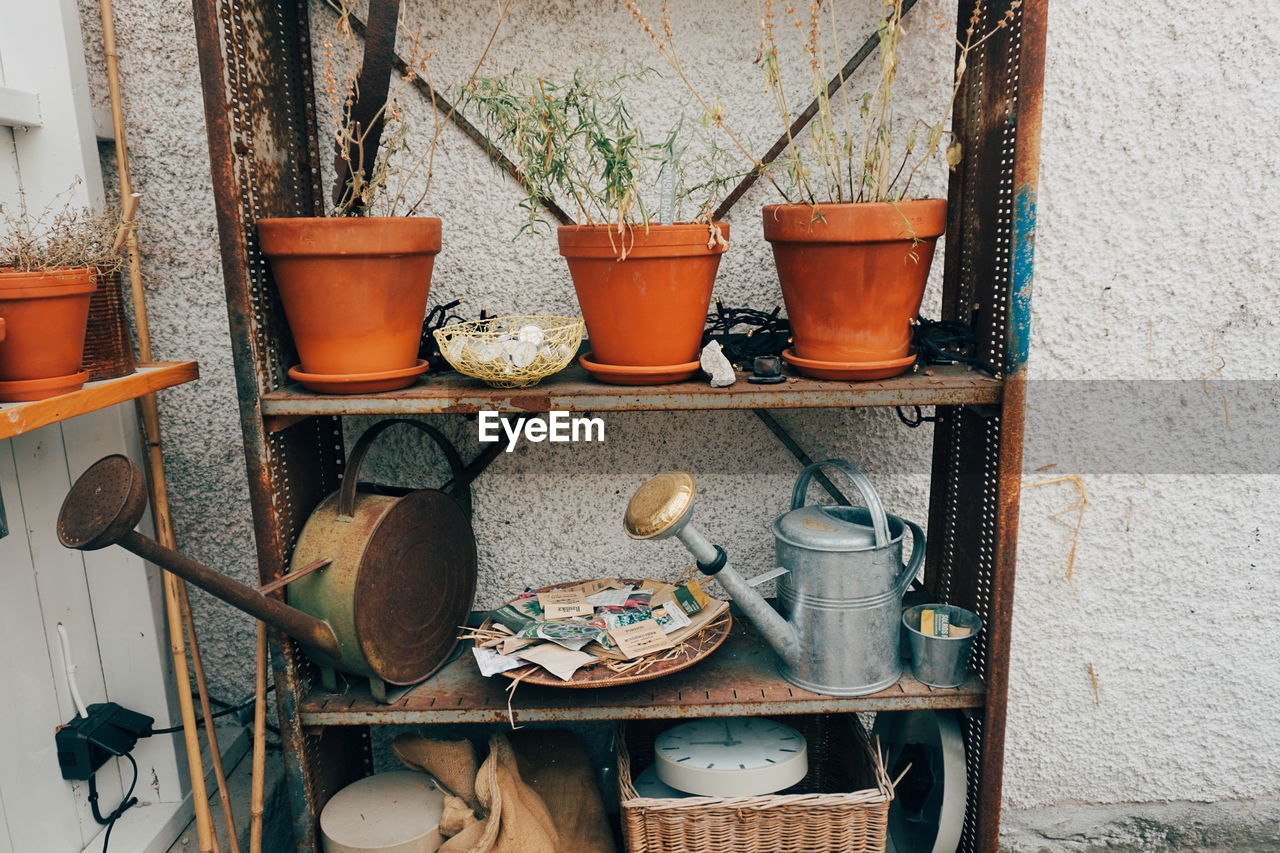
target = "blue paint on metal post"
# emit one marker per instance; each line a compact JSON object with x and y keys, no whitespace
{"x":1020,"y":278}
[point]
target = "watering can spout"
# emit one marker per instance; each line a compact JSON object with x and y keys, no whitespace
{"x":662,"y":508}
{"x":106,"y":503}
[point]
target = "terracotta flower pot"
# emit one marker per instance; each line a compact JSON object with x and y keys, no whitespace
{"x":647,"y":309}
{"x":853,"y":276}
{"x":45,"y":314}
{"x":355,"y":293}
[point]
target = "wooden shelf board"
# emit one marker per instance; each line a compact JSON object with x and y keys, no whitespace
{"x":573,"y":390}
{"x":17,"y":418}
{"x":739,"y":679}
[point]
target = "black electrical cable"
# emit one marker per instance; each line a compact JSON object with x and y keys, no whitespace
{"x":227,"y":710}
{"x":127,"y":803}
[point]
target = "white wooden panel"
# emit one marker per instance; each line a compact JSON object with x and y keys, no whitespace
{"x":19,"y":108}
{"x":42,"y":51}
{"x":128,"y":604}
{"x":40,"y":805}
{"x":64,"y":592}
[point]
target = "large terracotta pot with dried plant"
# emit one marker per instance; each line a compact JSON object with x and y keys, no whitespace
{"x":354,"y":291}
{"x":853,"y":246}
{"x":853,"y":277}
{"x":45,"y":313}
{"x":644,"y":295}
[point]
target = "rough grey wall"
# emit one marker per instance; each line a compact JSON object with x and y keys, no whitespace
{"x":1154,"y":259}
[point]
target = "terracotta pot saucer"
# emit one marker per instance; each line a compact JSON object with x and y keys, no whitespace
{"x":849,"y":370}
{"x":26,"y":390}
{"x":627,"y":374}
{"x":358,"y":383}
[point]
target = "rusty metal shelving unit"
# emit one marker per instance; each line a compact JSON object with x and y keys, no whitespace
{"x":255,"y":66}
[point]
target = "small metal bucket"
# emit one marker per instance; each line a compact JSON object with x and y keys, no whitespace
{"x":941,"y":661}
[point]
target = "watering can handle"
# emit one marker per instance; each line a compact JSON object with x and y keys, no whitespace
{"x":347,"y":494}
{"x":917,"y":557}
{"x":859,"y":479}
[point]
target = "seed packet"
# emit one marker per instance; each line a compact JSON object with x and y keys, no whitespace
{"x":518,"y":614}
{"x":670,"y":617}
{"x":616,"y":617}
{"x":570,"y":633}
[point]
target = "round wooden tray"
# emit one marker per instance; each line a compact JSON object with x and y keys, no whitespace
{"x":694,"y":649}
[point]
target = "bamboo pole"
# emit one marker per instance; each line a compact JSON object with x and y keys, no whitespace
{"x":177,"y":604}
{"x":259,"y":744}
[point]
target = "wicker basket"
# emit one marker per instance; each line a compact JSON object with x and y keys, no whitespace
{"x":108,"y":349}
{"x":488,"y":349}
{"x":815,"y":816}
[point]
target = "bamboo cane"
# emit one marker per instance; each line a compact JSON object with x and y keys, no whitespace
{"x":259,"y":744}
{"x":177,"y":605}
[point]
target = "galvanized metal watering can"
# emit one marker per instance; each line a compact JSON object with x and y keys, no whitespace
{"x":841,"y":579}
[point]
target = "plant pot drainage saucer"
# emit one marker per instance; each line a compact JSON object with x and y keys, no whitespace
{"x":26,"y":390}
{"x":849,"y":370}
{"x":627,"y":374}
{"x":358,"y":383}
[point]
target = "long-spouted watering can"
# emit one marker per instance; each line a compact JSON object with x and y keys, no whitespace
{"x":380,"y":580}
{"x":840,"y":574}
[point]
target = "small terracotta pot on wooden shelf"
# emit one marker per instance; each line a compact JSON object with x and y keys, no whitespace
{"x":354,"y":291}
{"x":644,"y":294}
{"x":853,"y":277}
{"x":45,"y":314}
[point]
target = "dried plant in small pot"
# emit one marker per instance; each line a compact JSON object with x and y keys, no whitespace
{"x":50,"y":266}
{"x":354,"y":285}
{"x":643,"y":279}
{"x":852,"y":246}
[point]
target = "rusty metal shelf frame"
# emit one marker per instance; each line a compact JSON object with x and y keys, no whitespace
{"x":255,"y":66}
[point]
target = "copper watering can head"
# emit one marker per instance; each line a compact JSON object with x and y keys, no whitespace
{"x":107,"y":502}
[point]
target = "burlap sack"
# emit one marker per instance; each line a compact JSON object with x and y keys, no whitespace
{"x":538,"y":796}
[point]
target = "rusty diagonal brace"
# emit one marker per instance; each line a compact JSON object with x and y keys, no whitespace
{"x":486,"y":456}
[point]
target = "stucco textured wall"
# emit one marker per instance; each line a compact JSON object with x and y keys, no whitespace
{"x":1154,"y":260}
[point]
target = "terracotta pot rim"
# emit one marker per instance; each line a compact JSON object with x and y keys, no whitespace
{"x":855,"y":222}
{"x":603,"y":241}
{"x":65,"y":281}
{"x":350,"y":236}
{"x":275,"y":220}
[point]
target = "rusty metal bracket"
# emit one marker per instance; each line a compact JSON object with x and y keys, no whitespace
{"x":785,"y":438}
{"x":453,"y":114}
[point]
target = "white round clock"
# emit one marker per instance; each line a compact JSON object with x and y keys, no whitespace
{"x":731,"y":757}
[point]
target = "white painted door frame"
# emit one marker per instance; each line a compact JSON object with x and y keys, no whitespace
{"x":110,"y":601}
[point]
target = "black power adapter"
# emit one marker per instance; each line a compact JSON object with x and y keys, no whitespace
{"x":85,"y":743}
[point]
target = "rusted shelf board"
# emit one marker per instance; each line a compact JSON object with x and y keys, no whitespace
{"x":737,"y":680}
{"x":573,"y":390}
{"x":17,"y":418}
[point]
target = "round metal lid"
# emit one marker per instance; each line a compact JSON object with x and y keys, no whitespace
{"x":416,"y":585}
{"x":831,"y":528}
{"x":659,"y":504}
{"x":927,"y":812}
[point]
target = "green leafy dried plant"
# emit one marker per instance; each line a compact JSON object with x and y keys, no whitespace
{"x":575,"y":139}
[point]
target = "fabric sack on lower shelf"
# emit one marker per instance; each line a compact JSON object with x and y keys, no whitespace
{"x":536,"y":790}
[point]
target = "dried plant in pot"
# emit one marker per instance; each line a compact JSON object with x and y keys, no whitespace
{"x":354,"y":285}
{"x":50,"y":266}
{"x":642,"y":278}
{"x":852,"y":247}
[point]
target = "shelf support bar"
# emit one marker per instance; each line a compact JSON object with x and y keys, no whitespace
{"x":784,"y":437}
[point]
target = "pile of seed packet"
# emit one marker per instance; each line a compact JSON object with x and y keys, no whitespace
{"x":601,"y":621}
